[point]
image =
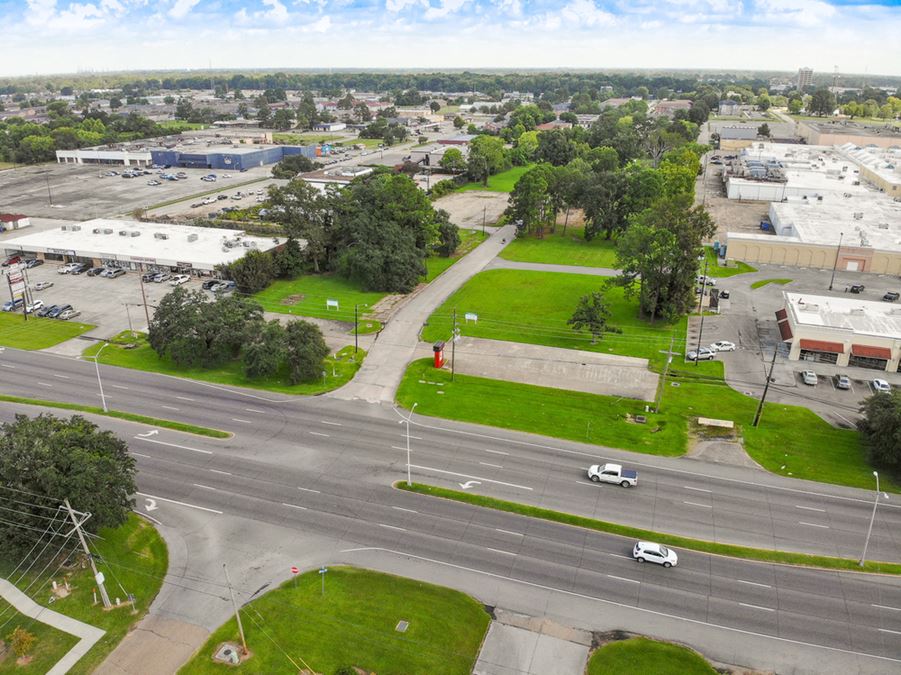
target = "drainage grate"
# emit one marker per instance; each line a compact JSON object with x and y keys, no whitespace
{"x":402,"y":626}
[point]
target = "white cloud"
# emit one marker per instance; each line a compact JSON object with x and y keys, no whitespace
{"x":446,"y":7}
{"x":40,"y":12}
{"x":277,"y":12}
{"x":182,"y":8}
{"x":586,"y":13}
{"x":510,"y":7}
{"x":796,"y":12}
{"x":401,"y":5}
{"x":321,"y":25}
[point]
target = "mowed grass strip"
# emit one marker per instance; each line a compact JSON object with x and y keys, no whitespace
{"x":120,"y":414}
{"x":504,"y":181}
{"x":676,"y":541}
{"x":37,"y":333}
{"x":50,"y":645}
{"x":353,"y":624}
{"x":642,"y":655}
{"x":308,"y":295}
{"x":718,"y":268}
{"x":559,"y":248}
{"x":764,"y":282}
{"x":339,"y":368}
{"x":469,"y":239}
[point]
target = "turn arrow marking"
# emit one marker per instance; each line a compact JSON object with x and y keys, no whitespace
{"x":152,"y":432}
{"x":468,"y":484}
{"x":151,"y":505}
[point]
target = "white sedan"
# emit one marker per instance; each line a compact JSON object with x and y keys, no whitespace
{"x":41,"y":285}
{"x":656,"y":553}
{"x":882,"y":385}
{"x":179,"y":279}
{"x":723,"y":346}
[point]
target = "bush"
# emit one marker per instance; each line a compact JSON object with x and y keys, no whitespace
{"x":442,"y":188}
{"x":22,"y":641}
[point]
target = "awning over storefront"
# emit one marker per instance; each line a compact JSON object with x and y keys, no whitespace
{"x":871,"y":352}
{"x":785,"y":331}
{"x":781,"y":315}
{"x":823,"y":346}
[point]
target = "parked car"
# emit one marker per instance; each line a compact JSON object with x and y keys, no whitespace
{"x":703,"y":354}
{"x":224,"y":287}
{"x":67,"y":314}
{"x":34,"y":306}
{"x":208,"y":284}
{"x":891,"y":296}
{"x":154,"y":182}
{"x":160,"y":277}
{"x":706,"y":280}
{"x":41,"y":285}
{"x":46,"y":310}
{"x":219,"y":197}
{"x":33,"y":262}
{"x":209,"y":200}
{"x":179,"y":279}
{"x":842,"y":382}
{"x":65,"y":269}
{"x":881,"y":386}
{"x":646,"y":551}
{"x":115,"y":274}
{"x":723,"y":346}
{"x":80,"y":268}
{"x":13,"y":305}
{"x":95,"y":271}
{"x":809,"y":377}
{"x":148,"y":276}
{"x":12,"y":260}
{"x":57,"y":310}
{"x":724,"y":295}
{"x":196,"y":205}
{"x":857,"y":288}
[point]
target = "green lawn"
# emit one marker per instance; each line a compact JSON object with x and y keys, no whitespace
{"x":51,"y":644}
{"x":501,"y":182}
{"x":37,"y":333}
{"x":563,"y":249}
{"x":469,"y":239}
{"x":764,"y":282}
{"x":641,"y":655}
{"x":353,"y":624}
{"x":7,"y":165}
{"x":306,"y":138}
{"x":339,"y":368}
{"x":370,"y":143}
{"x":717,"y":267}
{"x":179,"y":124}
{"x":134,"y":556}
{"x":307,"y":295}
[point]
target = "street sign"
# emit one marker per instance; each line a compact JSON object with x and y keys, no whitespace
{"x":294,"y":570}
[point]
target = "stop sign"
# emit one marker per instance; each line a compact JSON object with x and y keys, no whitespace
{"x":294,"y":570}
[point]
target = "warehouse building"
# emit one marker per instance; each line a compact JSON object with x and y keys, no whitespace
{"x":841,"y":331}
{"x":879,"y":167}
{"x":841,"y":132}
{"x":135,"y":245}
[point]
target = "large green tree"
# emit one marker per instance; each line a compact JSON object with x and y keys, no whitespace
{"x":881,"y":429}
{"x":530,"y":201}
{"x":487,"y":156}
{"x":265,"y":351}
{"x":591,"y":314}
{"x":305,"y":214}
{"x":306,"y":350}
{"x":822,"y":102}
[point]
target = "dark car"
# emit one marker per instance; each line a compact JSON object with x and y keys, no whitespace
{"x":724,"y":295}
{"x":33,"y":262}
{"x":44,"y":311}
{"x":209,"y":283}
{"x":94,"y":271}
{"x":221,"y":196}
{"x":83,"y":267}
{"x":148,"y":276}
{"x":891,"y":296}
{"x":857,"y":288}
{"x":57,"y":310}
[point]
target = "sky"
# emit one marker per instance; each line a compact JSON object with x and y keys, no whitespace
{"x":62,"y":36}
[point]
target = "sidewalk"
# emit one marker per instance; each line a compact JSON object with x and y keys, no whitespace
{"x":88,"y":635}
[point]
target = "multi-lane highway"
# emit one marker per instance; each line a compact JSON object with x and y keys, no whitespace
{"x":324,"y":468}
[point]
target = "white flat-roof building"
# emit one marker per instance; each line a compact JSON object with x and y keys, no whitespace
{"x":881,"y":167}
{"x":136,"y":245}
{"x":843,"y":331}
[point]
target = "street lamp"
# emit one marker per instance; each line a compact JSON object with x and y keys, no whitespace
{"x":99,"y":383}
{"x":872,"y":518}
{"x":838,"y":253}
{"x":406,"y":420}
{"x":356,"y":323}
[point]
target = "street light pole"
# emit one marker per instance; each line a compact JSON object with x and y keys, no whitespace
{"x":356,"y":323}
{"x":866,"y":544}
{"x":99,"y":383}
{"x":838,"y":253}
{"x":406,"y":420}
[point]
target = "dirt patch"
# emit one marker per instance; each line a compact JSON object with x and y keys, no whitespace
{"x":469,"y":209}
{"x":719,"y":449}
{"x":292,"y":299}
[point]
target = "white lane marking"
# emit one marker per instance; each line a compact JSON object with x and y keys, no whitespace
{"x":497,"y":550}
{"x":689,"y":487}
{"x":894,"y":609}
{"x":752,"y":583}
{"x":765,"y":609}
{"x":62,"y":377}
{"x":465,"y":475}
{"x":173,"y":445}
{"x":619,"y":555}
{"x":185,"y":398}
{"x":334,"y":424}
{"x":493,"y":466}
{"x":295,"y":506}
{"x":392,"y":527}
{"x":394,"y":447}
{"x":401,"y":508}
{"x":316,"y":433}
{"x":6,"y":365}
{"x":893,"y":632}
{"x":613,"y":576}
{"x":138,"y":454}
{"x":703,"y":506}
{"x":801,"y":522}
{"x":613,"y":603}
{"x":309,"y":490}
{"x":496,"y":452}
{"x":586,"y":484}
{"x":415,"y":438}
{"x":809,"y":508}
{"x":172,"y":501}
{"x":46,"y":384}
{"x":205,"y":487}
{"x":221,"y":473}
{"x":235,"y":419}
{"x":168,"y":407}
{"x":254,"y":410}
{"x":515,"y":534}
{"x":118,"y":386}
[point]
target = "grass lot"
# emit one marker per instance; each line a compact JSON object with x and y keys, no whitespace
{"x":179,"y":124}
{"x":37,"y":333}
{"x":469,"y":239}
{"x":641,"y":655}
{"x":50,"y":647}
{"x":7,"y":165}
{"x":134,"y":556}
{"x":764,"y":282}
{"x":717,"y":266}
{"x":339,"y":368}
{"x":370,"y":143}
{"x":311,"y":292}
{"x":308,"y":138}
{"x":501,"y":182}
{"x":563,"y":249}
{"x":353,"y":624}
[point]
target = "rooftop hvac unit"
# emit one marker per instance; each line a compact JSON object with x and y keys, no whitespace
{"x":819,"y":198}
{"x":858,"y":311}
{"x":123,"y":233}
{"x":192,"y":237}
{"x":808,"y":307}
{"x":134,"y":233}
{"x":160,"y":235}
{"x":107,"y":230}
{"x":97,"y":230}
{"x":858,"y":215}
{"x":883,"y":226}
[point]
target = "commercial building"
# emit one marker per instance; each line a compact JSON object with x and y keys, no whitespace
{"x":669,"y":108}
{"x":736,"y":137}
{"x":805,"y":78}
{"x":140,"y":246}
{"x":459,"y":139}
{"x":879,"y":167}
{"x":845,"y":131}
{"x":13,"y":221}
{"x":843,"y":331}
{"x":330,"y":126}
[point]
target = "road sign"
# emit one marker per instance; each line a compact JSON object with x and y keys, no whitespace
{"x":294,"y":570}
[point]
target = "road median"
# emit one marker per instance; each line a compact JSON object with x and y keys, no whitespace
{"x":687,"y":543}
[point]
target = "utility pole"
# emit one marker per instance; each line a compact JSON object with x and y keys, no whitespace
{"x":98,"y":577}
{"x":669,"y":359}
{"x":838,"y":253}
{"x":235,"y":605}
{"x":765,"y":388}
{"x":454,"y":344}
{"x":144,"y":298}
{"x":484,"y":209}
{"x":700,"y":308}
{"x":128,"y":314}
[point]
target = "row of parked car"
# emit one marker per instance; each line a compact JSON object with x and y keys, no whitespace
{"x":160,"y":277}
{"x":841,"y":381}
{"x":708,"y":353}
{"x":63,"y":312}
{"x":88,"y":270}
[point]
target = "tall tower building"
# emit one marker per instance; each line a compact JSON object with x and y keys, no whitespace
{"x":805,"y":78}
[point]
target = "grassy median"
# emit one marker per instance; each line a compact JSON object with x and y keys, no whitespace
{"x":688,"y":543}
{"x":354,"y":623}
{"x":641,"y":655}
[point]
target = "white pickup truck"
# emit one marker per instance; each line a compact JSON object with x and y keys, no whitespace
{"x":613,"y":473}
